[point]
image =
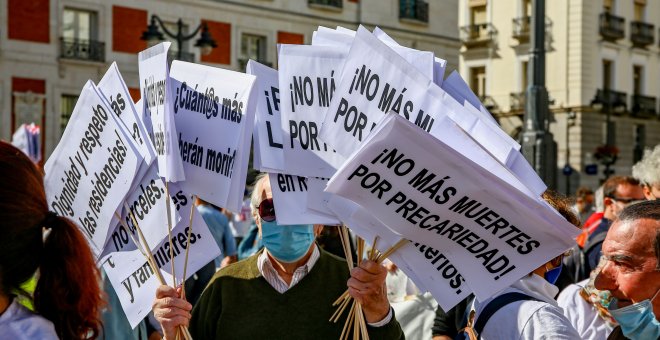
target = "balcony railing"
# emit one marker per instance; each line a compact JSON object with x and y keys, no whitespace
{"x":614,"y":101}
{"x":414,"y":10}
{"x":517,"y":101}
{"x":521,"y":28}
{"x":643,"y":106}
{"x":611,"y":27}
{"x":326,"y":3}
{"x":478,"y":35}
{"x":89,"y":50}
{"x":641,"y":33}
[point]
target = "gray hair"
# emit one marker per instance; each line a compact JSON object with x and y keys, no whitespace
{"x":646,"y":170}
{"x":255,"y":198}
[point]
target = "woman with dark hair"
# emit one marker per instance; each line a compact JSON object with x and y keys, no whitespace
{"x":67,"y":298}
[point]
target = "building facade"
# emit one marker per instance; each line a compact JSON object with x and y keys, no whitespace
{"x":50,"y":48}
{"x":602,"y":59}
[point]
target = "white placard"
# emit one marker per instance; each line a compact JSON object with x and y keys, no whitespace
{"x":427,"y":192}
{"x":214,"y":115}
{"x":114,"y":90}
{"x":156,"y":96}
{"x":375,"y":80}
{"x":146,"y":200}
{"x":290,"y":196}
{"x":92,"y":168}
{"x":268,"y":153}
{"x":133,"y":279}
{"x":307,"y":78}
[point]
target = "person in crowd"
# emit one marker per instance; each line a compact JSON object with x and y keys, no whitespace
{"x":250,"y":244}
{"x":618,"y":192}
{"x":632,"y":271}
{"x":447,"y":324}
{"x":584,"y":203}
{"x":532,"y":313}
{"x":285,"y":291}
{"x":586,"y":307}
{"x":67,"y":299}
{"x":218,"y":224}
{"x":647,"y":171}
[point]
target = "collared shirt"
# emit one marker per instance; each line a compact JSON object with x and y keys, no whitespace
{"x":17,"y":322}
{"x":274,"y":279}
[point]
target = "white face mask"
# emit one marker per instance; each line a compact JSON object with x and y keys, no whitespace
{"x":637,"y":321}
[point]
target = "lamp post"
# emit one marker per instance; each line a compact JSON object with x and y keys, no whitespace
{"x":538,"y":145}
{"x":606,"y":101}
{"x":153,"y":36}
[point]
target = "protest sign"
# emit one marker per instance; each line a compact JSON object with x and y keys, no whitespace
{"x":146,"y":202}
{"x":209,"y":103}
{"x":375,"y":80}
{"x":155,"y":88}
{"x":290,"y":196}
{"x":307,"y":79}
{"x":114,"y":89}
{"x":267,"y":137}
{"x":132,"y":277}
{"x":92,"y":168}
{"x":431,"y":194}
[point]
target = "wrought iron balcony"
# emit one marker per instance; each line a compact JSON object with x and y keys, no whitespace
{"x":610,"y":100}
{"x":478,"y":35}
{"x":327,"y":3}
{"x":641,"y":33}
{"x":89,"y":50}
{"x":488,"y":102}
{"x":521,"y":28}
{"x":611,"y":27}
{"x":414,"y":10}
{"x":643,"y":106}
{"x":517,"y":101}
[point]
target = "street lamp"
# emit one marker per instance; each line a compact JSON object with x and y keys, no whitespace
{"x":607,"y":101}
{"x":153,"y":36}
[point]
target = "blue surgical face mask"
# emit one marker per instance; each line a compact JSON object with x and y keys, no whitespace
{"x":637,"y":321}
{"x":553,"y":274}
{"x":287,"y":243}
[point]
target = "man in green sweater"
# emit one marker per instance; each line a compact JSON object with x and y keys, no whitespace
{"x":285,"y":291}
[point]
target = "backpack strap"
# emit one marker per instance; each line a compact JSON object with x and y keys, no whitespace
{"x":495,"y":305}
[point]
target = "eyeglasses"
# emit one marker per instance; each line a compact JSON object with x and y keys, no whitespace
{"x":626,"y":200}
{"x":266,"y":210}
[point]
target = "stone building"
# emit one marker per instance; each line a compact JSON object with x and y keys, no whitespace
{"x":50,"y":48}
{"x":603,"y":58}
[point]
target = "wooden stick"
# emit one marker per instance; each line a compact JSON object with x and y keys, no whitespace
{"x":348,"y":246}
{"x":343,"y":296}
{"x":169,"y":231}
{"x":340,"y":310}
{"x":349,"y":320}
{"x":151,"y":260}
{"x":392,"y":249}
{"x":363,"y":324}
{"x":185,"y":264}
{"x":372,"y":253}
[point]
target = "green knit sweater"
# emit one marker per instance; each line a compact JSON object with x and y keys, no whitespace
{"x":240,"y":304}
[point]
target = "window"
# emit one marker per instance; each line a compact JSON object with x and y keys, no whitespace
{"x":478,"y":14}
{"x":253,"y":47}
{"x":607,"y":74}
{"x":640,"y":6}
{"x":608,"y":6}
{"x":79,"y":25}
{"x":67,"y":103}
{"x":527,"y":8}
{"x":639,"y":134}
{"x":478,"y":80}
{"x":638,"y":72}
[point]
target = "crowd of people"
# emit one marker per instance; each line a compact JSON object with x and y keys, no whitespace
{"x":277,"y":281}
